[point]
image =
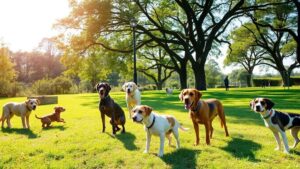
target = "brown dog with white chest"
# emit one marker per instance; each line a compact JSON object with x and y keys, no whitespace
{"x":203,"y":112}
{"x":55,"y":116}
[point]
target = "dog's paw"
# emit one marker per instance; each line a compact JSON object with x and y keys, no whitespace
{"x":286,"y":152}
{"x":277,"y":148}
{"x":196,"y":144}
{"x":146,"y":152}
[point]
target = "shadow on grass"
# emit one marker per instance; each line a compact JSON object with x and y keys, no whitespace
{"x":293,"y":151}
{"x":182,"y":158}
{"x":61,"y":128}
{"x":241,"y":148}
{"x":26,"y":132}
{"x":128,"y":140}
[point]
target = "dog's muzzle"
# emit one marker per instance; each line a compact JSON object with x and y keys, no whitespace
{"x":187,"y":104}
{"x":257,"y":108}
{"x":135,"y":119}
{"x":128,"y":90}
{"x":33,"y":107}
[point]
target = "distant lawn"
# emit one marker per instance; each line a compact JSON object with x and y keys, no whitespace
{"x":80,"y":143}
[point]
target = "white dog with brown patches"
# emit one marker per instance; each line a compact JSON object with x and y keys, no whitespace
{"x":19,"y":109}
{"x":133,"y":96}
{"x":159,"y":125}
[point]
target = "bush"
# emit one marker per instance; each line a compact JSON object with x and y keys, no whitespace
{"x":59,"y":85}
{"x":267,"y":82}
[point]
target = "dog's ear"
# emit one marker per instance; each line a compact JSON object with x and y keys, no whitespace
{"x":124,"y":86}
{"x":134,"y":86}
{"x":38,"y":101}
{"x":198,"y":95}
{"x":148,"y":110}
{"x":181,"y":94}
{"x":107,"y":86}
{"x":269,"y":104}
{"x":96,"y":86}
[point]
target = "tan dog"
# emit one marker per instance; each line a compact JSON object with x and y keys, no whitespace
{"x":46,"y":120}
{"x":20,"y":109}
{"x":203,"y":112}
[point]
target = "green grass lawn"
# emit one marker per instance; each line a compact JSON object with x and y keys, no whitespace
{"x":80,"y":143}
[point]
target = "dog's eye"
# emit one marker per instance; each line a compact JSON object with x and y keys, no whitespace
{"x":191,"y":94}
{"x":140,"y":112}
{"x":262,"y":103}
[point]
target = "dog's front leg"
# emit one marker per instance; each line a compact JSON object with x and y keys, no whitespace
{"x":196,"y":128}
{"x":148,"y":140}
{"x":285,"y":142}
{"x":276,"y":135}
{"x":23,"y":122}
{"x":27,"y":122}
{"x":103,"y":122}
{"x":162,"y":144}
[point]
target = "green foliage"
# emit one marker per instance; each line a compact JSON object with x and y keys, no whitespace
{"x":213,"y":73}
{"x":59,"y":85}
{"x":7,"y":72}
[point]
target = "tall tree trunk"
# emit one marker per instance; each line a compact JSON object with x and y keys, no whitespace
{"x":285,"y":75}
{"x":199,"y":73}
{"x":249,"y":80}
{"x":298,"y":30}
{"x":159,"y":85}
{"x":183,"y":76}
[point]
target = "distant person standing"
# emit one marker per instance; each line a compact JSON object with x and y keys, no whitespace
{"x":226,"y":83}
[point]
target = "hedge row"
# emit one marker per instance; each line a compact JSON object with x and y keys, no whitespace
{"x":275,"y":81}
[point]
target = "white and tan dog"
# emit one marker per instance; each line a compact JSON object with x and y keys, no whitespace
{"x":159,"y":125}
{"x":133,"y":96}
{"x":19,"y":109}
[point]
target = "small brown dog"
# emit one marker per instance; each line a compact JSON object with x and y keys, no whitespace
{"x":46,"y":120}
{"x":203,"y":112}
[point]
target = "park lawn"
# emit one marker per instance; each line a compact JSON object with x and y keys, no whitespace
{"x":79,"y":143}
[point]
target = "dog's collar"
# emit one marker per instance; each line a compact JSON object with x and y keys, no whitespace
{"x":197,"y":107}
{"x":269,"y":115}
{"x":153,"y":121}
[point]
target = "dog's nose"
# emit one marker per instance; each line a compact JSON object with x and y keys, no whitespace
{"x":128,"y":90}
{"x":257,"y":108}
{"x":134,"y":118}
{"x":33,"y":107}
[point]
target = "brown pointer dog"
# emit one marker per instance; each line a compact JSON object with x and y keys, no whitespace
{"x":46,"y":120}
{"x":203,"y":112}
{"x":108,"y":107}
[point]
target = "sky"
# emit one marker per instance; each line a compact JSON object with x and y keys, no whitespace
{"x":24,"y":23}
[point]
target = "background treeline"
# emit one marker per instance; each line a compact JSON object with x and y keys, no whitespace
{"x":178,"y":44}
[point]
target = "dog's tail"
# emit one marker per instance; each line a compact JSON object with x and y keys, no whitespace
{"x":182,"y":128}
{"x":37,"y":117}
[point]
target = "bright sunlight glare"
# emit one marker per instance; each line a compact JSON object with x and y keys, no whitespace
{"x":24,"y":23}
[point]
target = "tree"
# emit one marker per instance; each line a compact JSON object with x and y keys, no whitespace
{"x":186,"y":30}
{"x":292,"y":25}
{"x":7,"y":72}
{"x":278,"y":44}
{"x":243,"y":51}
{"x":214,"y":74}
{"x":156,"y":66}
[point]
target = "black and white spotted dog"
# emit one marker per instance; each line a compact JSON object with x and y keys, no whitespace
{"x":277,"y":121}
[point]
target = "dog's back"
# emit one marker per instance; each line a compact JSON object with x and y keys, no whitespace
{"x":109,"y":106}
{"x":14,"y":108}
